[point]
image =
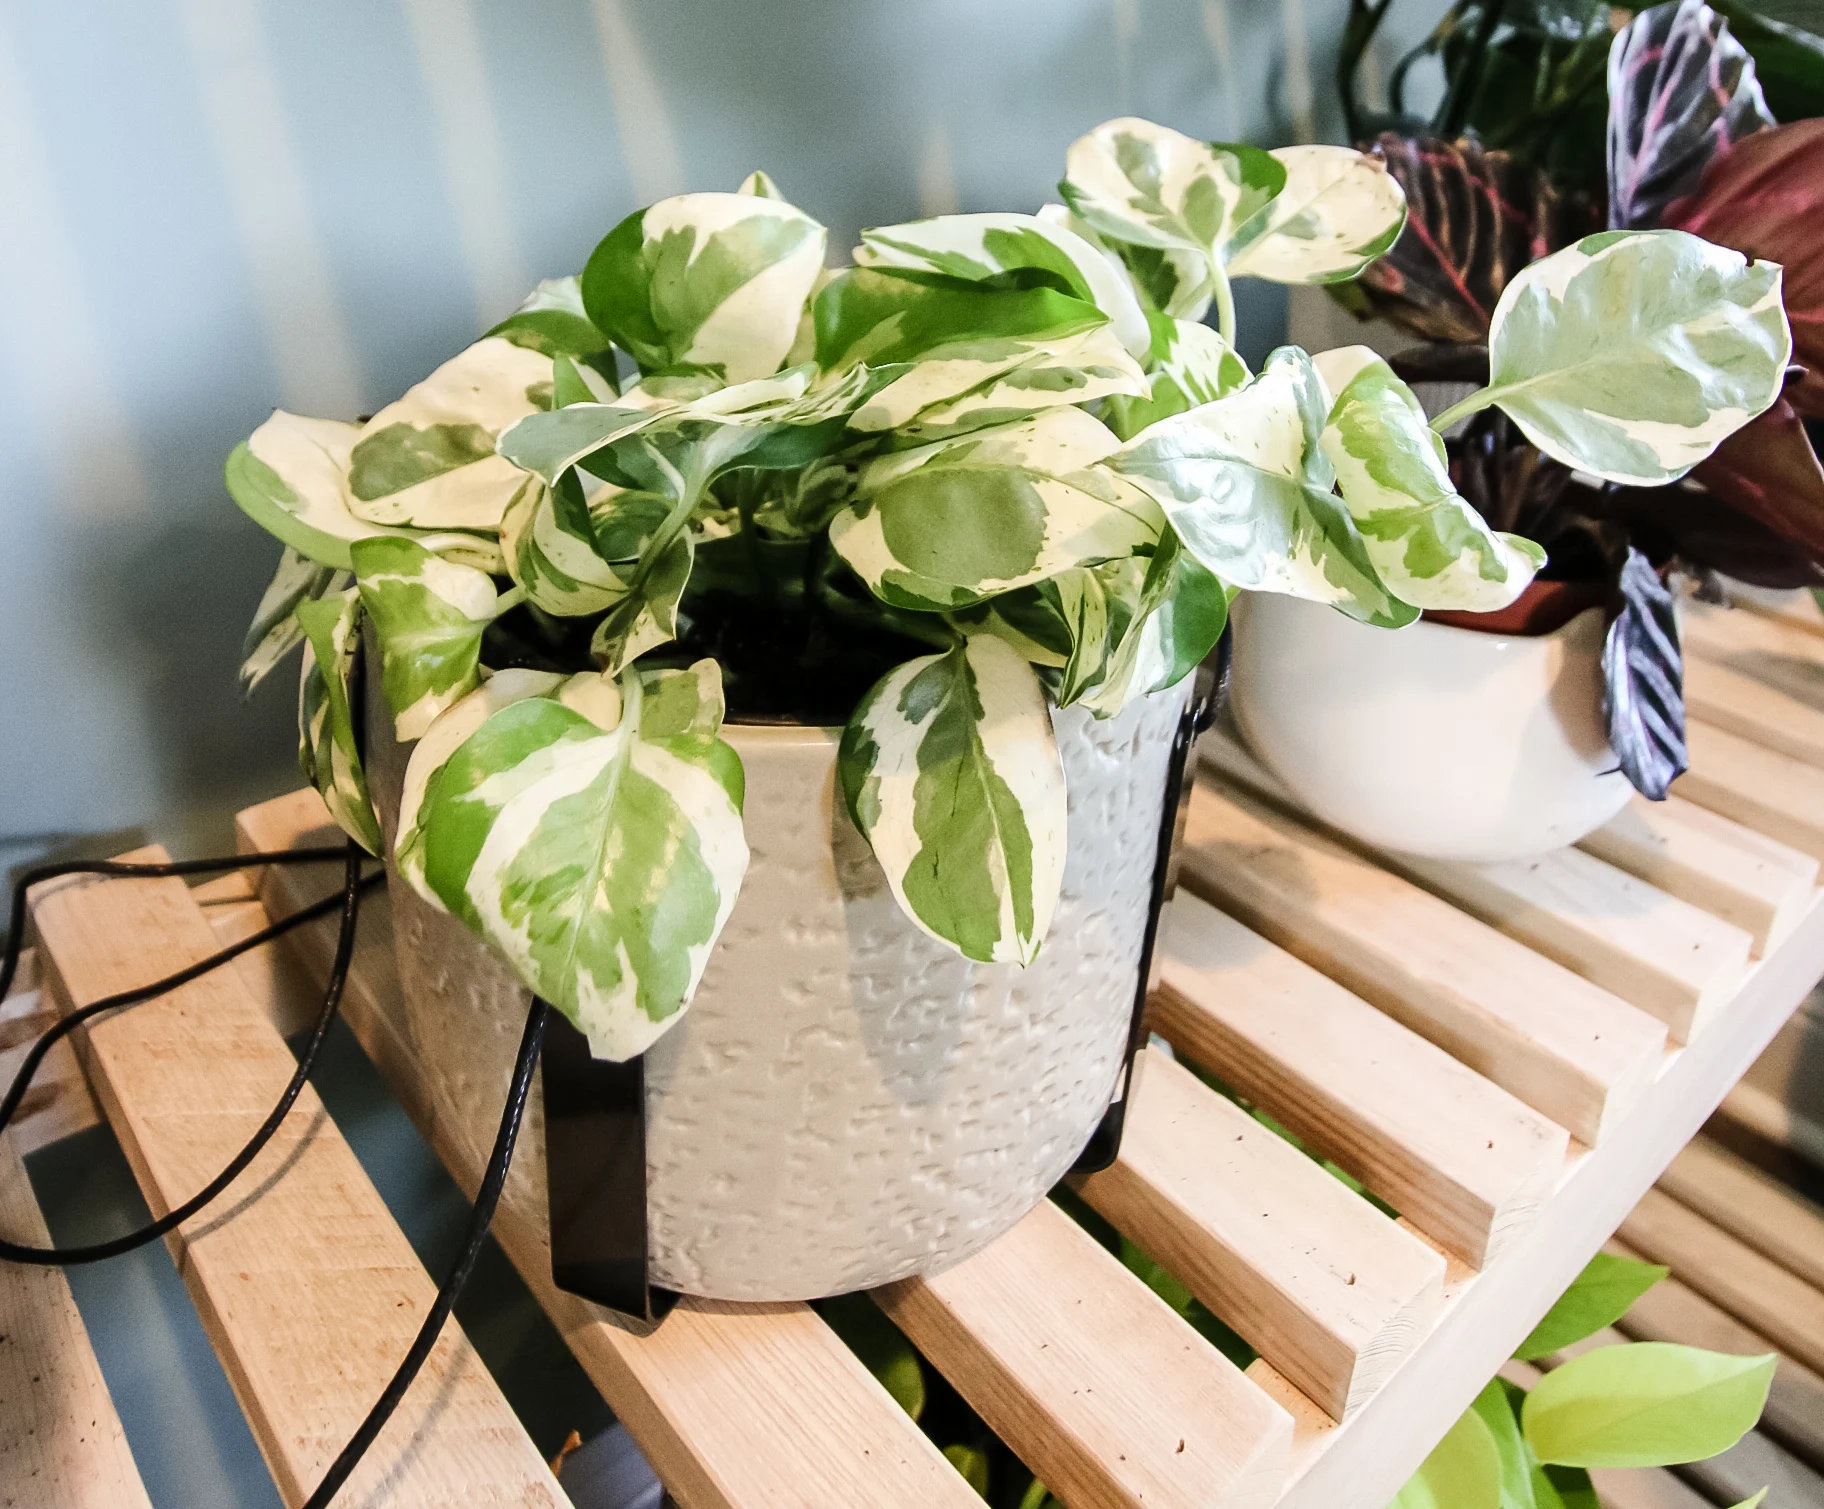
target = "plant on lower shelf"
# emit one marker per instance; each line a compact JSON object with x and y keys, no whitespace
{"x":993,"y":468}
{"x":1509,"y":168}
{"x":1640,"y":1404}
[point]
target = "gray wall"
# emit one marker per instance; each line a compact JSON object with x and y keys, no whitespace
{"x":212,"y":207}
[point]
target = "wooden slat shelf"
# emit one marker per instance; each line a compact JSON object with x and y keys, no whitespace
{"x":1508,"y":1056}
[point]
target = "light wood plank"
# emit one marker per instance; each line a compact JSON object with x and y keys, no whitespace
{"x":1743,"y":704}
{"x":308,"y":1290}
{"x":1730,"y":871}
{"x":735,"y":1406}
{"x":1797,"y":610}
{"x":1672,"y":1311}
{"x":1769,"y":792}
{"x":1664,"y":955}
{"x":59,"y":1104}
{"x":1572,"y":1051}
{"x":1756,"y":1111}
{"x":1090,"y":1377}
{"x":1457,"y":1155}
{"x":1754,"y":1289}
{"x":61,"y":1445}
{"x":1752,"y":1207}
{"x":1317,"y":1281}
{"x":1769,"y":647}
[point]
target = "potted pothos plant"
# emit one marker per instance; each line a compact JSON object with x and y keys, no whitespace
{"x":1583,"y":701}
{"x":811,"y":647}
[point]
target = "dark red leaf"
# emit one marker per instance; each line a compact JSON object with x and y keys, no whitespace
{"x":1769,"y":471}
{"x":1765,"y":198}
{"x":1474,"y":219}
{"x":1680,"y":90}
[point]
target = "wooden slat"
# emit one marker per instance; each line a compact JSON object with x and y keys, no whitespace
{"x":1797,"y":610}
{"x":1741,"y":703}
{"x":61,"y":1445}
{"x":1316,"y":1279}
{"x":1458,"y":1156}
{"x":735,"y":1406}
{"x":1768,"y":1118}
{"x":1673,"y":1311}
{"x":308,"y":1290}
{"x":1768,"y":647}
{"x":1091,"y":1378}
{"x":59,"y":1103}
{"x":1752,"y":1207}
{"x":1754,"y":1289}
{"x":1572,"y":1051}
{"x":1769,"y":792}
{"x":1662,"y":954}
{"x":1730,"y":871}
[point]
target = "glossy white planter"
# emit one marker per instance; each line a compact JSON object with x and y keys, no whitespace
{"x":847,"y":1101}
{"x":1430,"y":740}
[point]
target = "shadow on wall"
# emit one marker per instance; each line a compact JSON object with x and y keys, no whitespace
{"x":233,"y":205}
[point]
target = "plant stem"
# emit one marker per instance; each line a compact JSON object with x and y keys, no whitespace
{"x":1460,"y":95}
{"x":1225,"y":307}
{"x":509,"y":600}
{"x":1474,"y":404}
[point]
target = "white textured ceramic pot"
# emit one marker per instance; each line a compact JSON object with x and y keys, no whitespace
{"x":1430,"y":740}
{"x":847,"y":1101}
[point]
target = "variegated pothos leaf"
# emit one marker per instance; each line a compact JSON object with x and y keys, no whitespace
{"x":275,"y":630}
{"x":1249,"y":492}
{"x":951,"y":771}
{"x":428,"y":616}
{"x":1427,"y":543}
{"x":949,"y":524}
{"x":1633,"y":354}
{"x":1338,"y":211}
{"x":1190,"y":364}
{"x":553,"y":322}
{"x":593,"y":836}
{"x":329,"y":752}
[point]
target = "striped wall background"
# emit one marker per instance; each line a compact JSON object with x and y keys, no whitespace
{"x":212,"y":207}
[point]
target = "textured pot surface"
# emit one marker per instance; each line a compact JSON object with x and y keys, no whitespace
{"x":1429,"y":740}
{"x":847,"y":1101}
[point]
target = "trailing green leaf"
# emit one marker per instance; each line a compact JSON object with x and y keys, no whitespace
{"x":1633,"y":354}
{"x":710,"y":283}
{"x":428,"y":616}
{"x":951,"y":772}
{"x":594,"y":838}
{"x":275,"y":630}
{"x":329,"y":750}
{"x":949,"y":524}
{"x":1427,"y":543}
{"x":1249,"y":491}
{"x":1649,"y":1404}
{"x":1462,"y":1472}
{"x":1600,"y":1296}
{"x":1495,"y":1408}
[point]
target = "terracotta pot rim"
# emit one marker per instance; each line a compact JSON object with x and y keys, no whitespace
{"x":1542,"y":609}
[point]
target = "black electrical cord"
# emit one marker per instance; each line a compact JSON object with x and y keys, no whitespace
{"x":480,"y":1218}
{"x":348,"y":898}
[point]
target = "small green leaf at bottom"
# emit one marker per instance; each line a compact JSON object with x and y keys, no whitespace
{"x":1462,"y":1472}
{"x":1598,"y":1297}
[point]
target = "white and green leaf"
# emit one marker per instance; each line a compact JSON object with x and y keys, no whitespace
{"x":428,"y":459}
{"x":275,"y":630}
{"x":594,"y":838}
{"x":548,"y":539}
{"x":1338,"y":210}
{"x":712,"y":283}
{"x":948,"y":524}
{"x":553,"y":322}
{"x":1249,"y":492}
{"x":329,"y":751}
{"x":1633,"y":354}
{"x":951,"y":771}
{"x":1426,"y":541}
{"x":1190,"y":364}
{"x":428,"y":616}
{"x":978,"y":247}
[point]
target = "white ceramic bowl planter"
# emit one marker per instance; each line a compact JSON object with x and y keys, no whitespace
{"x":1429,"y":740}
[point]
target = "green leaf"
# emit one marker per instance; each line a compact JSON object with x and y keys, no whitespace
{"x":1462,"y":1472}
{"x":1752,"y":1503}
{"x":1556,"y":1487}
{"x":1599,"y":1296}
{"x":594,"y":838}
{"x":1646,"y":1404}
{"x":880,"y":1346}
{"x":951,"y":772}
{"x":548,"y":538}
{"x":710,"y":283}
{"x":1190,"y":365}
{"x":1338,"y":211}
{"x":972,"y":1463}
{"x":427,"y":460}
{"x":1247,"y":488}
{"x":1633,"y":354}
{"x":429,"y":616}
{"x":1427,"y":543}
{"x":275,"y":630}
{"x":553,"y":322}
{"x":977,"y":248}
{"x":329,"y":753}
{"x":1494,"y":1408}
{"x":948,"y":524}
